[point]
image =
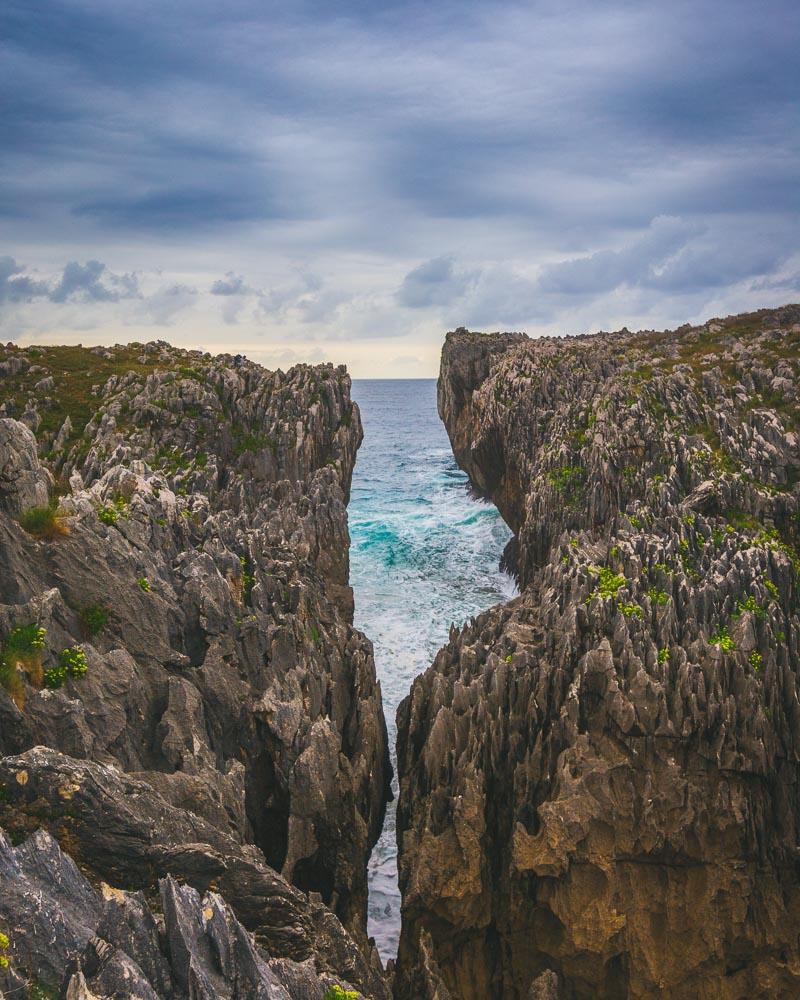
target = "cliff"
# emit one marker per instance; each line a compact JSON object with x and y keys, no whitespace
{"x":598,"y":779}
{"x":183,"y":698}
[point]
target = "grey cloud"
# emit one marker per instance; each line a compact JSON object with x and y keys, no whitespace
{"x":437,"y":282}
{"x":93,"y":282}
{"x":16,"y":286}
{"x":231,"y":284}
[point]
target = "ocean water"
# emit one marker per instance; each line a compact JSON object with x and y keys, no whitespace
{"x":423,"y":554}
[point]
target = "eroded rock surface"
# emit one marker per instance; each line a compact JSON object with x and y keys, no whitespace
{"x":599,"y":779}
{"x":197,"y":567}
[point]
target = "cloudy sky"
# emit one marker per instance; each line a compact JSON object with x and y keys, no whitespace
{"x":346,"y":181}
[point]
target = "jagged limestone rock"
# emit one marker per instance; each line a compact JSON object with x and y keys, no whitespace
{"x":201,"y":567}
{"x":599,"y":779}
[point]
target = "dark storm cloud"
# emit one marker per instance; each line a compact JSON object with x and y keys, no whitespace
{"x":616,"y":144}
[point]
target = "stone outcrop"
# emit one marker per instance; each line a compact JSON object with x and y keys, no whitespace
{"x":599,"y":779}
{"x":195,"y":647}
{"x":109,"y":942}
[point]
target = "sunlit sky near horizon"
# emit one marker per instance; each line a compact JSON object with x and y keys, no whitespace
{"x":345,"y":182}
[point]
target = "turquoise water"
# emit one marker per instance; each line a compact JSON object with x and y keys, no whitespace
{"x":424,"y":554}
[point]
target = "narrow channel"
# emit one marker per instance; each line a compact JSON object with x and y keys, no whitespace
{"x":423,"y":554}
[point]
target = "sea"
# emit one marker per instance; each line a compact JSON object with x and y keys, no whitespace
{"x":424,"y":553}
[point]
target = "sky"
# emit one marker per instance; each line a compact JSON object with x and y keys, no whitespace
{"x":307,"y":181}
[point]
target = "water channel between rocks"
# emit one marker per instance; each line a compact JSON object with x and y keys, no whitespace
{"x":423,"y":554}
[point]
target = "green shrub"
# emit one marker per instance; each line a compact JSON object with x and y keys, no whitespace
{"x":756,"y":660}
{"x":339,"y":993}
{"x":71,"y":663}
{"x":73,"y":659}
{"x":631,"y":610}
{"x":751,"y":604}
{"x":93,"y":618}
{"x":567,"y":479}
{"x":772,"y":589}
{"x":609,"y":582}
{"x":22,"y":648}
{"x":43,"y":522}
{"x":722,"y":638}
{"x":663,"y":654}
{"x":108,"y":514}
{"x":248,"y":580}
{"x":144,"y":583}
{"x":658,"y":596}
{"x":4,"y":945}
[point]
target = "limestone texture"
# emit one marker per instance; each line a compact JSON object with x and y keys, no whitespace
{"x":599,"y":778}
{"x":186,"y":712}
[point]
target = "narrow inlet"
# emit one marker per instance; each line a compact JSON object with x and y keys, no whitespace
{"x":423,"y":554}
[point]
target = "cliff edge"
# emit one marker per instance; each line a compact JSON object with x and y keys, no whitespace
{"x":598,"y":779}
{"x":186,"y":712}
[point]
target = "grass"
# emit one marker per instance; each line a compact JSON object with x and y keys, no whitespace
{"x":75,"y":370}
{"x":93,"y":618}
{"x":43,"y":522}
{"x":21,"y":653}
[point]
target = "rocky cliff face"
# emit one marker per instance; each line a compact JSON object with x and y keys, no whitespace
{"x":176,"y":631}
{"x":599,"y":779}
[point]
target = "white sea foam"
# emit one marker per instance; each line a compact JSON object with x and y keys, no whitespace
{"x":424,"y":554}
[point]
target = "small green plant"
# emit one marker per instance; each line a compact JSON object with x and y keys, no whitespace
{"x":614,"y":551}
{"x":4,"y":946}
{"x":43,"y":522}
{"x":71,"y":663}
{"x":315,"y":635}
{"x":772,"y":589}
{"x":631,"y":610}
{"x":634,"y":521}
{"x":509,"y":658}
{"x":144,"y":583}
{"x":688,"y":519}
{"x":756,"y":661}
{"x":339,"y":993}
{"x":108,"y":514}
{"x":780,"y":636}
{"x":74,"y":661}
{"x":566,"y":479}
{"x":608,"y":584}
{"x":93,"y":618}
{"x":663,"y":654}
{"x":751,"y":604}
{"x":658,"y":596}
{"x":22,"y":648}
{"x":248,"y":580}
{"x":723,"y":639}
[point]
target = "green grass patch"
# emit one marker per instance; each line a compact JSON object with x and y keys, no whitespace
{"x":43,"y":522}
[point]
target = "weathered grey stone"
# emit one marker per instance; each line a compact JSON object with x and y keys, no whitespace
{"x":596,"y":790}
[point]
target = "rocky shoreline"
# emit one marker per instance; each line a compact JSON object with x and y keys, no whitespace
{"x":598,"y":779}
{"x":186,"y":707}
